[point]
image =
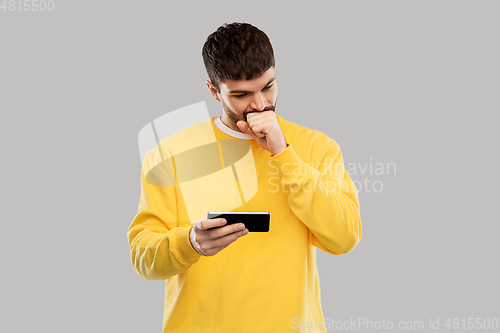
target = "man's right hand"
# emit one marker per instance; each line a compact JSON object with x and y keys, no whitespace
{"x":212,"y":241}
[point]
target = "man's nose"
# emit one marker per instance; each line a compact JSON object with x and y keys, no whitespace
{"x":259,"y":102}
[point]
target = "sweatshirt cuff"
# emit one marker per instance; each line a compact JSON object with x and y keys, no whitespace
{"x":196,"y":245}
{"x":182,"y":248}
{"x":288,"y":163}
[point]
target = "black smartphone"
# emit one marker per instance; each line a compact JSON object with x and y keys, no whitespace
{"x":253,"y":221}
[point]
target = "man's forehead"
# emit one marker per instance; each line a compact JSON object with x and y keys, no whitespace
{"x":258,"y":83}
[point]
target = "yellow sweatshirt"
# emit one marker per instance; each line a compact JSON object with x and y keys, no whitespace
{"x":263,"y":282}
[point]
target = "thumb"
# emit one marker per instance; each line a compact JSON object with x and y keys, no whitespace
{"x":243,"y":126}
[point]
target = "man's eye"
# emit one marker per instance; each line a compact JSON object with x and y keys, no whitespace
{"x":243,"y":95}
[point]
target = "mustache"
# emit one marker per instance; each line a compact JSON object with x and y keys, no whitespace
{"x":269,"y":108}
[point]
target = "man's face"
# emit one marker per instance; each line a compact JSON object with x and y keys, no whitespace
{"x":241,"y":97}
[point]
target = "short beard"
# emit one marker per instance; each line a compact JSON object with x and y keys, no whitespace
{"x":234,"y":118}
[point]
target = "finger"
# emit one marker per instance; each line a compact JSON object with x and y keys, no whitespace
{"x":260,"y":126}
{"x":215,"y":250}
{"x":210,"y":223}
{"x":260,"y":130}
{"x":242,"y":125}
{"x":245,"y":128}
{"x":224,"y":231}
{"x":259,"y":117}
{"x":224,"y":240}
{"x":252,"y":115}
{"x":221,"y":243}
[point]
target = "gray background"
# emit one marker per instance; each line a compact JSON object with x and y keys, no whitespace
{"x":413,"y":83}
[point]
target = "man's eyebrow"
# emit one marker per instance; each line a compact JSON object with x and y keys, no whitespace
{"x":244,"y":91}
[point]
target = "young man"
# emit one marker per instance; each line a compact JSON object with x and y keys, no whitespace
{"x":227,"y":279}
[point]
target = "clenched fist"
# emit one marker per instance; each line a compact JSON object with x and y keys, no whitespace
{"x":263,"y":127}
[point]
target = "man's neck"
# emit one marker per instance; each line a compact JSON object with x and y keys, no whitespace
{"x":229,"y":131}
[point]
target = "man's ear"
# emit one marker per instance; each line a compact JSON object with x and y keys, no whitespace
{"x":213,"y":90}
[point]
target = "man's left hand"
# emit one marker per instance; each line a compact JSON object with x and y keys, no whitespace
{"x":263,"y":127}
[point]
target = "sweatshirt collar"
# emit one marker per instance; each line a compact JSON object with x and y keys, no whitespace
{"x":229,"y":131}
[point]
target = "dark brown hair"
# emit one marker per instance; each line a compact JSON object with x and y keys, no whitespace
{"x":237,"y":51}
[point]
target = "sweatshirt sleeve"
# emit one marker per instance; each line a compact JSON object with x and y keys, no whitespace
{"x":158,"y":251}
{"x":324,"y":199}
